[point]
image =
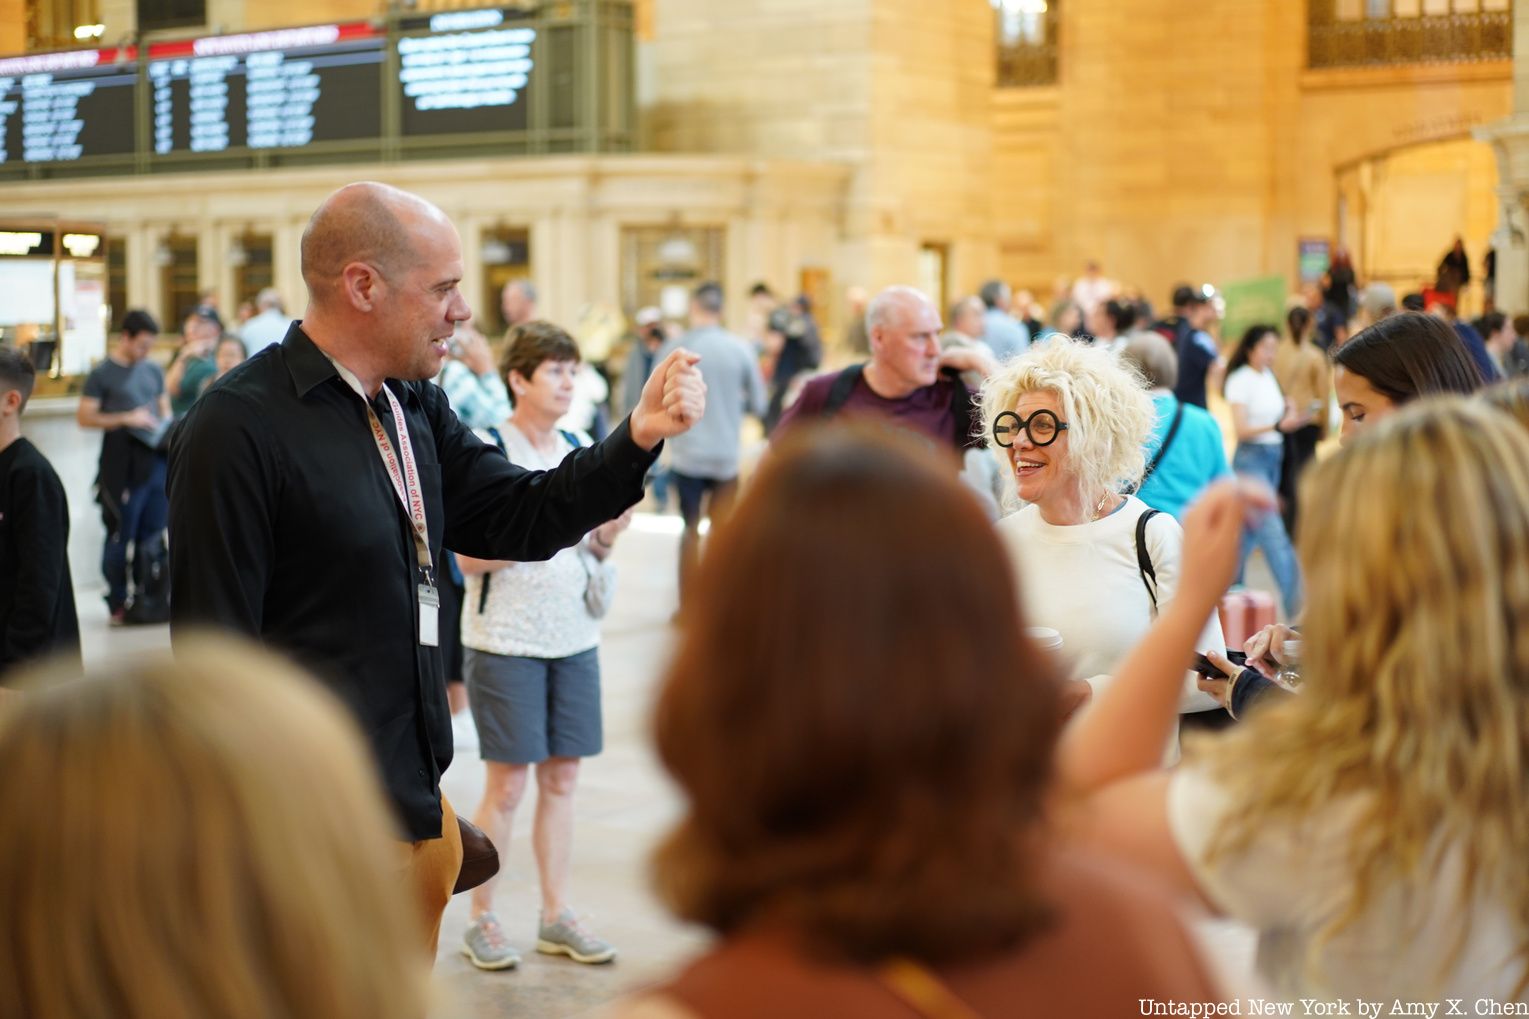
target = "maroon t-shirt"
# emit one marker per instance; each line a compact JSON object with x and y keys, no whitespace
{"x":928,"y":411}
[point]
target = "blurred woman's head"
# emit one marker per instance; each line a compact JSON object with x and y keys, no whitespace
{"x":198,"y":836}
{"x":229,"y":354}
{"x":1300,"y":323}
{"x":1395,"y":361}
{"x":1511,"y":396}
{"x":1257,"y":349}
{"x":1415,"y":653}
{"x":861,"y":729}
{"x":1096,"y":415}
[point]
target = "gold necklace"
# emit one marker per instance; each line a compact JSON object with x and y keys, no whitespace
{"x":1099,"y":509}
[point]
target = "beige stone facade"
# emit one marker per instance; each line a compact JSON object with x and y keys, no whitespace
{"x":864,"y":142}
{"x":773,"y":214}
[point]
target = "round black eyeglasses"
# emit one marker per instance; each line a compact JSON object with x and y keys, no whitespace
{"x":1043,"y":427}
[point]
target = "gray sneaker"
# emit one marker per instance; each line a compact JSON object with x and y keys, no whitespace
{"x":486,"y":946}
{"x":567,"y":936}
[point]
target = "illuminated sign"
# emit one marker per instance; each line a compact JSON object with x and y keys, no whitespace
{"x":469,"y":75}
{"x":82,"y":245}
{"x":63,"y":107}
{"x":266,"y":90}
{"x":26,"y":243}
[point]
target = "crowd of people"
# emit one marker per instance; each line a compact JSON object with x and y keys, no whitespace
{"x":1006,"y":738}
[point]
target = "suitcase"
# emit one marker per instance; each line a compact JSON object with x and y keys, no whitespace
{"x":1244,"y":612}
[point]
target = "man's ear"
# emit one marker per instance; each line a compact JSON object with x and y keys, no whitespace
{"x":10,"y":402}
{"x":362,"y":285}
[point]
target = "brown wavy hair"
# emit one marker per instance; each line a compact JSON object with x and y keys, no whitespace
{"x":862,"y":728}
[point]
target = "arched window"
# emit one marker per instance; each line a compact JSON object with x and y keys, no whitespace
{"x":1027,"y":42}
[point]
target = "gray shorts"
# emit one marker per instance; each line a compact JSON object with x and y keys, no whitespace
{"x":529,"y":709}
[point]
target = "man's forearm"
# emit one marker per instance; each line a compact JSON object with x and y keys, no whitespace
{"x":104,"y":421}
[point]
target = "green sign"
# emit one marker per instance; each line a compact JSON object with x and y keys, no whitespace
{"x":1252,"y":302}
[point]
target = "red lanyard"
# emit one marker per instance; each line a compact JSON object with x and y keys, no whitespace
{"x":405,"y":477}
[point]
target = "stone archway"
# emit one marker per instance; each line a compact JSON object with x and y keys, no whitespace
{"x":1400,"y":209}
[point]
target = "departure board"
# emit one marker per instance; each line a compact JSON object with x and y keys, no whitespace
{"x":64,"y":107}
{"x":469,"y":75}
{"x":267,"y":90}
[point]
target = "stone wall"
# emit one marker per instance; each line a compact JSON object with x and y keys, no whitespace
{"x":1183,"y":145}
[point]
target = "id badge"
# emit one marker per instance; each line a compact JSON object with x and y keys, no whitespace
{"x":429,"y":616}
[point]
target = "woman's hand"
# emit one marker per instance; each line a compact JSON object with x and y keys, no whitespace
{"x":1219,"y":688}
{"x":1266,"y":648}
{"x":1076,"y":693}
{"x":1213,"y":539}
{"x":1294,"y":420}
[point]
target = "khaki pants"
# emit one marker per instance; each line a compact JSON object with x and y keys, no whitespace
{"x":430,"y":869}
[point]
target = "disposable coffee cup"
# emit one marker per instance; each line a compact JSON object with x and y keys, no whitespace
{"x":1045,"y":636}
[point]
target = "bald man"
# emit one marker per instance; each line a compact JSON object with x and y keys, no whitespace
{"x":312,"y":493}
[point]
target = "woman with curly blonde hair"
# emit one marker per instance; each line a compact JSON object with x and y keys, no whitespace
{"x":1373,"y":828}
{"x":1094,"y":564}
{"x":196,"y":837}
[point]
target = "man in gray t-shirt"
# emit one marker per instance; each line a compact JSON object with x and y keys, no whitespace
{"x":125,"y":397}
{"x":704,"y":460}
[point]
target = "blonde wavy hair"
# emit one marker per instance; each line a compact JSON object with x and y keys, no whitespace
{"x":1415,"y":656}
{"x":198,"y":836}
{"x":1104,"y":402}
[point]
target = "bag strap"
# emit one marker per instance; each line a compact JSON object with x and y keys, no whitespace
{"x":843,"y":385}
{"x":573,"y":440}
{"x":488,"y":577}
{"x":1144,"y":560}
{"x":961,"y":407}
{"x":924,"y":992}
{"x":1173,"y":430}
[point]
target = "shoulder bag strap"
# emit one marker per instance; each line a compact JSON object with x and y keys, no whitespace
{"x":843,"y":385}
{"x":488,"y":577}
{"x":921,"y":990}
{"x":968,"y":433}
{"x":1173,"y":430}
{"x":1144,"y":560}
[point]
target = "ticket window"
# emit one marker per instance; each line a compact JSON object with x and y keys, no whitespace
{"x":661,"y":265}
{"x":506,"y":255}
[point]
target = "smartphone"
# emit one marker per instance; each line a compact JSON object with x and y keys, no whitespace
{"x":1204,"y":667}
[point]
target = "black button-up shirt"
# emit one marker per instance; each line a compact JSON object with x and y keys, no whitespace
{"x":285,"y":526}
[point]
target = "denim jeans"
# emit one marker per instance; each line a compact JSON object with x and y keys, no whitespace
{"x":144,"y":516}
{"x":1264,"y":463}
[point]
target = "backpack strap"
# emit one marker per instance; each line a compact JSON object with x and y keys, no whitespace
{"x":838,"y":393}
{"x":573,"y":440}
{"x":962,"y":407}
{"x":1173,"y":430}
{"x":1144,"y":560}
{"x":488,"y":577}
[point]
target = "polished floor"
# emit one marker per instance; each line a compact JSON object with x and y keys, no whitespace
{"x":624,"y":802}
